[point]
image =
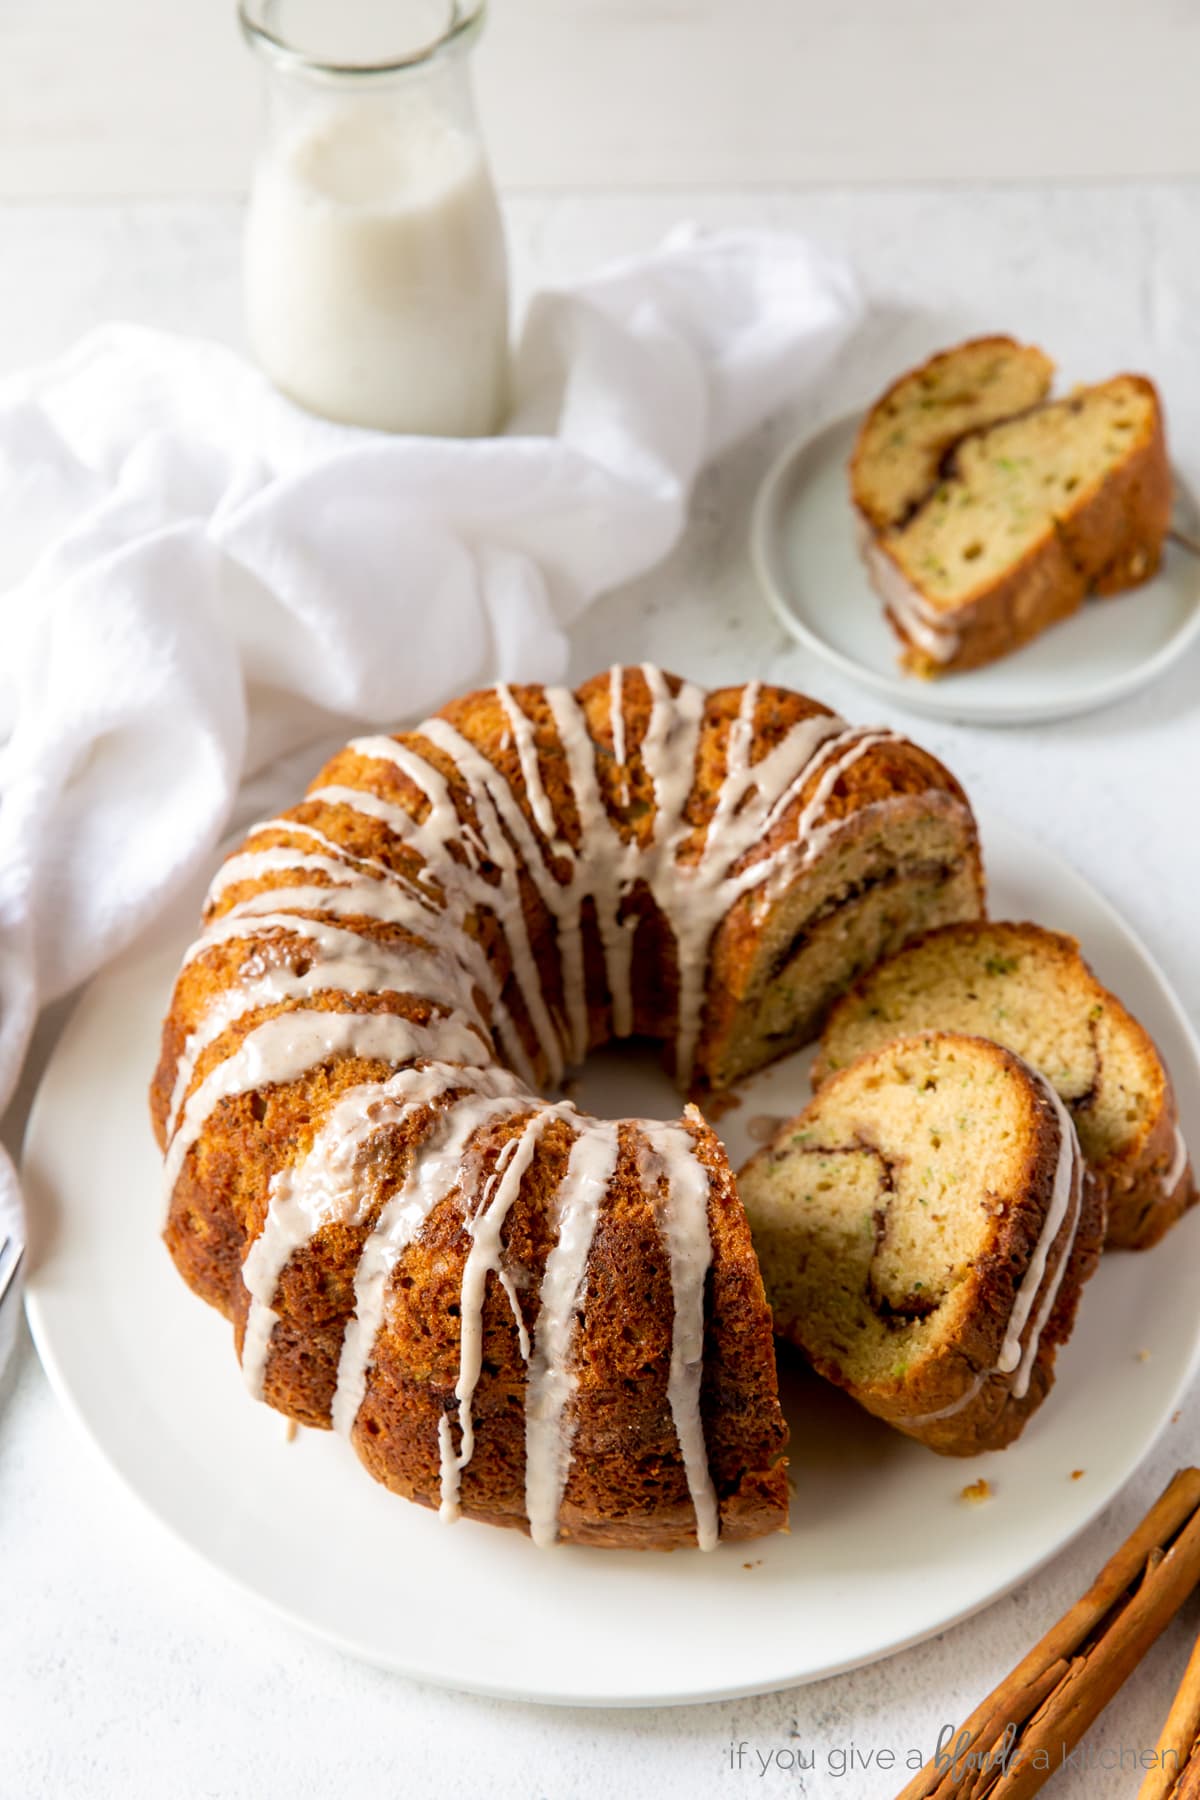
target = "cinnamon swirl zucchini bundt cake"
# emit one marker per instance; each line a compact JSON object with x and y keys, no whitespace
{"x":515,"y":1311}
{"x":924,"y":1229}
{"x":1031,"y":990}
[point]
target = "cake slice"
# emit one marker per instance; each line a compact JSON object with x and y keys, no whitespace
{"x":898,"y":453}
{"x":924,"y":1229}
{"x":1029,"y":517}
{"x":1032,"y":991}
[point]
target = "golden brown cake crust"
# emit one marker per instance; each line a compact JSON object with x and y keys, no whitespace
{"x":626,"y":1488}
{"x":996,"y":1417}
{"x":626,"y":1483}
{"x":1043,"y":587}
{"x":954,"y":1398}
{"x":1107,"y":543}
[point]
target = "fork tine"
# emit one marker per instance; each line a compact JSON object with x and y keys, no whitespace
{"x":11,"y":1254}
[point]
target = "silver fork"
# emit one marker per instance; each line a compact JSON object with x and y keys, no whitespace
{"x":10,"y":1261}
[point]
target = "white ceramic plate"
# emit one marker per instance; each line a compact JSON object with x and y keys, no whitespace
{"x":882,"y":1551}
{"x":804,"y":548}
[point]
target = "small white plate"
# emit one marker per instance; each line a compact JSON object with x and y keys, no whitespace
{"x":803,"y":540}
{"x":882,"y":1551}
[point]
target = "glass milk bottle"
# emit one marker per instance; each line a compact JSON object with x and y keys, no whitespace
{"x":376,"y":275}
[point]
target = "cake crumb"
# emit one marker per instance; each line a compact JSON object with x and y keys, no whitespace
{"x":1078,"y":1474}
{"x":1175,"y":1417}
{"x":717,"y":1105}
{"x":763,"y":1126}
{"x":976,"y":1492}
{"x":290,"y":1431}
{"x":1142,"y":1356}
{"x":756,"y":1564}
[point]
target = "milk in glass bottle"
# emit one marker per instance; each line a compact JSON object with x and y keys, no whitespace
{"x":376,"y":274}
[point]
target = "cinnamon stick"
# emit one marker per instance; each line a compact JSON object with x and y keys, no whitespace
{"x":1177,"y":1744}
{"x":1015,"y":1739}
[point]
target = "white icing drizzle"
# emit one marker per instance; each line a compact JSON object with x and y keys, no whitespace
{"x":550,"y":1381}
{"x":503,"y":825}
{"x":333,"y":859}
{"x":442,"y":826}
{"x":247,"y":865}
{"x":1065,"y":1193}
{"x":345,"y":963}
{"x":434,"y":837}
{"x":1066,"y":1197}
{"x":605,"y":878}
{"x":393,"y":902}
{"x":285,"y":1047}
{"x":698,"y":894}
{"x":434,"y":1174}
{"x":737,"y":758}
{"x":708,"y":887}
{"x":504,"y":897}
{"x":919,"y":620}
{"x":684,"y":1223}
{"x":612,"y":870}
{"x":337,"y":852}
{"x":325,"y":1186}
{"x":485,"y":1226}
{"x":525,"y":739}
{"x":956,"y":1406}
{"x":276,"y":858}
{"x":835,"y":756}
{"x":692,"y":893}
{"x":370,"y":899}
{"x":616,"y":715}
{"x":510,"y":1290}
{"x":418,"y":836}
{"x":1174,"y":1174}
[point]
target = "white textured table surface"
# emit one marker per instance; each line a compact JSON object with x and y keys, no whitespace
{"x":125,"y":1669}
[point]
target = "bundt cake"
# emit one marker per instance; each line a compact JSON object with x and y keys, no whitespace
{"x":515,"y":1311}
{"x":1031,"y":990}
{"x":1020,"y":517}
{"x":924,"y":1228}
{"x":898,"y":452}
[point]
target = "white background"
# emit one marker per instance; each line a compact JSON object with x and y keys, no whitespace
{"x":125,"y":1670}
{"x":142,"y":97}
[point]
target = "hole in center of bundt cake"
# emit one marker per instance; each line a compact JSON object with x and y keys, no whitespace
{"x":622,"y":1079}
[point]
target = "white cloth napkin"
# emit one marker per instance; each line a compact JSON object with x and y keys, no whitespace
{"x":196,"y":577}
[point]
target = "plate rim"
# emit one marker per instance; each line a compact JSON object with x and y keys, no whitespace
{"x":994,"y":826}
{"x":911,"y":692}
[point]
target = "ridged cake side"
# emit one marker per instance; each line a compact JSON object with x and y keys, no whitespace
{"x":514,"y":1310}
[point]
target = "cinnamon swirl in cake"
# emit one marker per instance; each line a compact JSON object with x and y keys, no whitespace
{"x":924,"y":1229}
